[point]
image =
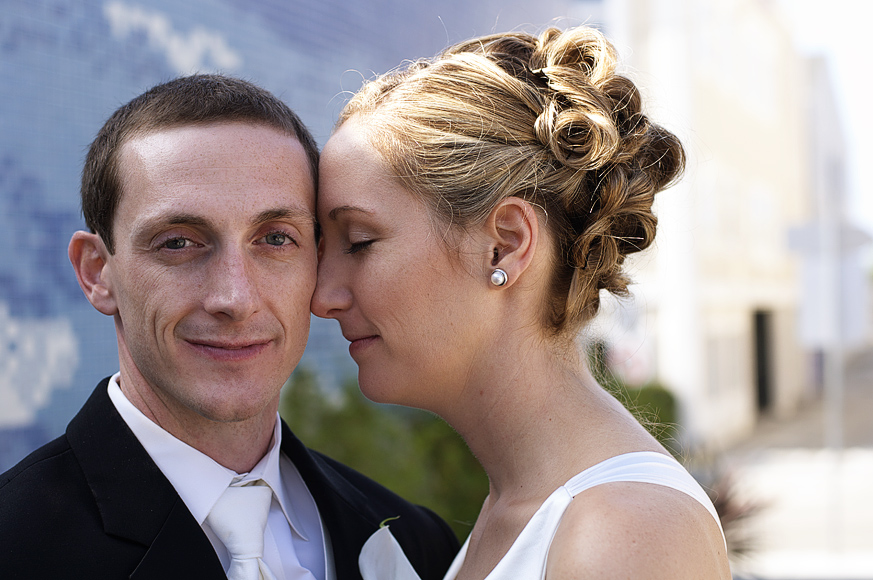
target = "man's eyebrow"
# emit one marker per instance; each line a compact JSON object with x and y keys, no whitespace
{"x":149,"y":226}
{"x":184,"y":219}
{"x":339,"y":210}
{"x":187,"y":219}
{"x":283,"y":213}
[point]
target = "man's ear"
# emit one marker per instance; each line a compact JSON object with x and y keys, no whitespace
{"x":89,"y":257}
{"x":512,"y":229}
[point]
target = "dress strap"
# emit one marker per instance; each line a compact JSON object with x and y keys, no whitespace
{"x":643,"y":467}
{"x":527,"y":557}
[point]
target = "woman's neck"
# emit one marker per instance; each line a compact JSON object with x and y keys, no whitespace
{"x":512,"y":407}
{"x":535,"y":422}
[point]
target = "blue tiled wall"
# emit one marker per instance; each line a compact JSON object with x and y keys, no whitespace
{"x":65,"y":65}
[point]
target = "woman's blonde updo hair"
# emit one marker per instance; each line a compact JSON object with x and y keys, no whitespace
{"x":545,"y":119}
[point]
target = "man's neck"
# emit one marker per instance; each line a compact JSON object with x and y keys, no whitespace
{"x":237,"y":445}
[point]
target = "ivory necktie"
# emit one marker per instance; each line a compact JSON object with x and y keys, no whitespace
{"x":238,"y":519}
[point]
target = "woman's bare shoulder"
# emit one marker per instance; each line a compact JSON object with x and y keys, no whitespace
{"x":640,"y":531}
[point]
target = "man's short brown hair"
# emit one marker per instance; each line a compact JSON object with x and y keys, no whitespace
{"x":190,"y":100}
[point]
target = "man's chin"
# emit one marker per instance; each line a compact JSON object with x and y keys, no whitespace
{"x":237,"y":413}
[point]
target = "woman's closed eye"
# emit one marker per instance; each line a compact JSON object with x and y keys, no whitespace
{"x":355,"y":247}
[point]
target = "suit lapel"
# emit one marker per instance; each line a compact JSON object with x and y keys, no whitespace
{"x":342,"y":507}
{"x":180,"y":550}
{"x":135,"y":500}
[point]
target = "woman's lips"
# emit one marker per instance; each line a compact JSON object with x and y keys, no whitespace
{"x":358,"y":345}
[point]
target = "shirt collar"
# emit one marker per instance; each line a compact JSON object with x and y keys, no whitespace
{"x":268,"y":469}
{"x":198,"y":479}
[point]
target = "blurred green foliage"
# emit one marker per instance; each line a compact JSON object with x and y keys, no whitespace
{"x":412,"y":452}
{"x":652,"y":404}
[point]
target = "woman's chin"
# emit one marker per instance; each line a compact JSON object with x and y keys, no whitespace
{"x":387,"y":392}
{"x":377,"y":392}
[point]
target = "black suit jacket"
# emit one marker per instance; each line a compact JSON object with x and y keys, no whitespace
{"x":92,"y":504}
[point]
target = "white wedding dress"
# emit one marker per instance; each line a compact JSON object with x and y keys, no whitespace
{"x":383,"y":559}
{"x":526,"y":558}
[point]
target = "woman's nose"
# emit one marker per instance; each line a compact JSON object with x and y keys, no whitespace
{"x":332,"y":294}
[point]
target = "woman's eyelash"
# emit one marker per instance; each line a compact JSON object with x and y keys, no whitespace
{"x":356,"y":247}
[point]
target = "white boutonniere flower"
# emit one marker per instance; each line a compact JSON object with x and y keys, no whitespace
{"x":382,"y":558}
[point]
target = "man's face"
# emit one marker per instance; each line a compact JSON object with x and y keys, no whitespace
{"x":214,"y":268}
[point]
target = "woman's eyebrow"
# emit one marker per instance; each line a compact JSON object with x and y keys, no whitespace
{"x":337,"y":211}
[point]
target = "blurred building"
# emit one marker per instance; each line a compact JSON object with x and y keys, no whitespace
{"x":835,"y":299}
{"x":722,"y":307}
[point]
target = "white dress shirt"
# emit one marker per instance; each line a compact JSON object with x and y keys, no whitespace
{"x":295,"y":542}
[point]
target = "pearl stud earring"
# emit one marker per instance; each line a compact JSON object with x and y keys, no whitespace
{"x":499,"y":277}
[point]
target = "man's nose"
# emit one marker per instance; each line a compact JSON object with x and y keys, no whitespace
{"x":232,"y":288}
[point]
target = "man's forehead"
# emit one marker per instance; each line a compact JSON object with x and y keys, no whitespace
{"x":192,"y":170}
{"x":178,"y":140}
{"x":175,"y":147}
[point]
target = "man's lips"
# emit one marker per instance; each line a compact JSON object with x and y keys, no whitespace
{"x":230,"y":350}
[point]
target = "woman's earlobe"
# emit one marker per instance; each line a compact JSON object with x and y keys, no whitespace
{"x":513,"y":229}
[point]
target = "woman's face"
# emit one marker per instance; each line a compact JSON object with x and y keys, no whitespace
{"x":403,"y":299}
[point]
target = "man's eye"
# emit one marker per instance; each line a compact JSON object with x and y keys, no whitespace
{"x":278,"y":239}
{"x":176,"y":243}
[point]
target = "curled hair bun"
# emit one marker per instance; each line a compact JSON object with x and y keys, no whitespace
{"x":593,"y":123}
{"x":543,"y":118}
{"x":576,"y":124}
